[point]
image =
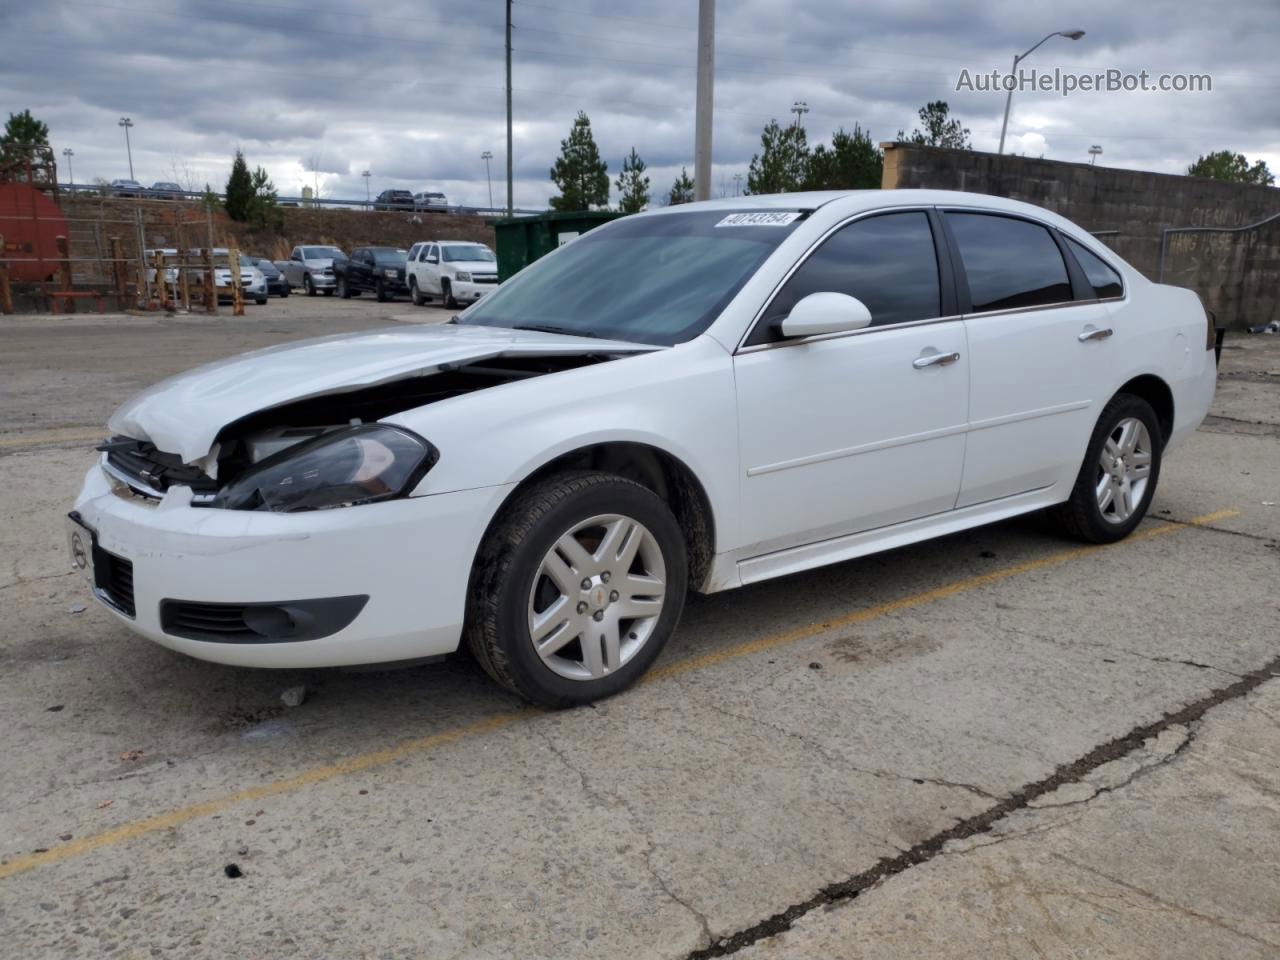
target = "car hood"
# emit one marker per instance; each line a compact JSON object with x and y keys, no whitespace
{"x":320,"y":262}
{"x":475,"y":266}
{"x":184,"y":414}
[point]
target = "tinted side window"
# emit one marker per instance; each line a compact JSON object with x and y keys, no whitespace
{"x":1009,"y":263}
{"x":1105,"y":281}
{"x":887,"y":262}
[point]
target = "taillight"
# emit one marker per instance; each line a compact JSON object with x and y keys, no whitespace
{"x":1211,"y":330}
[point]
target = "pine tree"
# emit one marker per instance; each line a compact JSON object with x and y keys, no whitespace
{"x":852,"y":162}
{"x":239,"y":192}
{"x":633,"y":184}
{"x":783,"y":162}
{"x":940,"y":130}
{"x":583,"y":178}
{"x":681,"y":190}
{"x":22,"y":130}
{"x":263,"y":211}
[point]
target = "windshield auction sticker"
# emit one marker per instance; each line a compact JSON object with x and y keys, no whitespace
{"x":779,"y":219}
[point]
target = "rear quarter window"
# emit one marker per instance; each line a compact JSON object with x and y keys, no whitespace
{"x":1104,"y":280}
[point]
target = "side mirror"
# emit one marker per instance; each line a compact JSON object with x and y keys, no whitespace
{"x":824,"y":313}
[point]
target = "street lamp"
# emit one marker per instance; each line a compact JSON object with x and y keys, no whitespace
{"x":798,"y":108}
{"x":127,"y":123}
{"x":71,"y":177}
{"x":737,"y":184}
{"x":366,"y":176}
{"x":1093,"y":153}
{"x":486,"y":157}
{"x":1008,"y":101}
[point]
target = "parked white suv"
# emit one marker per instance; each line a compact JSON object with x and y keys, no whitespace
{"x":454,"y":271}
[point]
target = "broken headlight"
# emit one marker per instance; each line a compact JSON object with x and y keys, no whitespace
{"x":359,"y":464}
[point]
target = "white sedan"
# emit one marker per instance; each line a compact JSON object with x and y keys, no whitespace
{"x":701,"y":397}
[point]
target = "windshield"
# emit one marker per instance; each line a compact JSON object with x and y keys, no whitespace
{"x":659,"y":279}
{"x":321,"y":253}
{"x":388,"y":255}
{"x":456,"y":253}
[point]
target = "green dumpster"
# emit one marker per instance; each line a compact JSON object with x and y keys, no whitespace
{"x":522,"y":240}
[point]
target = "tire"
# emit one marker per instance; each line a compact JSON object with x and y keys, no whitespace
{"x":284,"y":292}
{"x":328,"y":292}
{"x":260,"y":301}
{"x":380,"y":291}
{"x":308,"y":285}
{"x":1106,"y":503}
{"x":415,"y":294}
{"x":344,"y":290}
{"x":510,"y":588}
{"x":446,"y":292}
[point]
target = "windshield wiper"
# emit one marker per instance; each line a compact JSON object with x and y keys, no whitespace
{"x":552,"y":328}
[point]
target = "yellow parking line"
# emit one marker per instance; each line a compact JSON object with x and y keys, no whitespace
{"x":378,"y":758}
{"x":60,"y":435}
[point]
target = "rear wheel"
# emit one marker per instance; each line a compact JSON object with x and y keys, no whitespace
{"x":578,"y":588}
{"x":1118,"y":478}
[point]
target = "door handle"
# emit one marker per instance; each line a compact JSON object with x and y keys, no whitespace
{"x":935,"y":360}
{"x":1088,"y":335}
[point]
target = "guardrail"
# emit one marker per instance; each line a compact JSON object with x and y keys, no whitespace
{"x":169,"y":196}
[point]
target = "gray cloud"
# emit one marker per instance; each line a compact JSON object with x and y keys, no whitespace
{"x":413,"y":91}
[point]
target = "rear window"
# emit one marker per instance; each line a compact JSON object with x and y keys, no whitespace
{"x":1105,"y":281}
{"x":1009,"y":263}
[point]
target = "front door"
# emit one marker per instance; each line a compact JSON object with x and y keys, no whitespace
{"x":849,"y":432}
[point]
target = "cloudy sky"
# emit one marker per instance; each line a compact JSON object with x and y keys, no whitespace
{"x":413,"y":91}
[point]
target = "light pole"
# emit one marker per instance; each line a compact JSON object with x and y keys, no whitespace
{"x":704,"y":100}
{"x":127,"y":123}
{"x":69,"y":153}
{"x":366,"y":176}
{"x":1008,"y":101}
{"x":486,"y":157}
{"x":799,"y":108}
{"x":737,"y":184}
{"x":1093,"y":153}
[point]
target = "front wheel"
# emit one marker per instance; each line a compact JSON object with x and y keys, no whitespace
{"x":415,"y":294}
{"x":578,"y":588}
{"x":1118,"y":478}
{"x":260,"y":300}
{"x":309,"y":285}
{"x":284,"y":291}
{"x":446,"y":291}
{"x":344,"y":291}
{"x":380,"y":291}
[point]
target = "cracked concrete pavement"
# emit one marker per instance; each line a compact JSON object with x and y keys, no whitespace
{"x":954,"y":732}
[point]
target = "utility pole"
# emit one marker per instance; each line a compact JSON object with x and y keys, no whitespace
{"x":127,"y":123}
{"x":737,"y":184}
{"x":69,"y":153}
{"x":705,"y":99}
{"x":510,"y":205}
{"x":366,"y":176}
{"x":486,"y":157}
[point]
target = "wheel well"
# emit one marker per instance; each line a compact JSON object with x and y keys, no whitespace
{"x":1157,"y":393}
{"x":660,"y":472}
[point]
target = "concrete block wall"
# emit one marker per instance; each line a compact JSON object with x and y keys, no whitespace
{"x":1237,"y":275}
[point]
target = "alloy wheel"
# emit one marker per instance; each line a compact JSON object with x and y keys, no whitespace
{"x":597,"y":597}
{"x":1124,"y":469}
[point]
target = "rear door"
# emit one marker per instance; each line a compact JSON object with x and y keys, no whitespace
{"x":1041,"y":361}
{"x":847,"y":432}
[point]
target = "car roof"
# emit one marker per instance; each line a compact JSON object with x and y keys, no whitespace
{"x":856,"y":201}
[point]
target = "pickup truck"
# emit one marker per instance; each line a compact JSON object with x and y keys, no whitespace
{"x":393,"y":200}
{"x":311,"y":268}
{"x":380,"y":269}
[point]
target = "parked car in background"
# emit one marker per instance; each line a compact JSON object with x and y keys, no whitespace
{"x":310,"y":266}
{"x":454,"y":271}
{"x":430,"y":201}
{"x":127,"y":188}
{"x":378,"y":269}
{"x":393,"y":200}
{"x":165,"y":190}
{"x":253,"y":283}
{"x":277,"y":285}
{"x":171,"y":274}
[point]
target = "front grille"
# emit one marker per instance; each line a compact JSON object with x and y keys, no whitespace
{"x":150,"y":472}
{"x":484,"y":278}
{"x":113,"y":576}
